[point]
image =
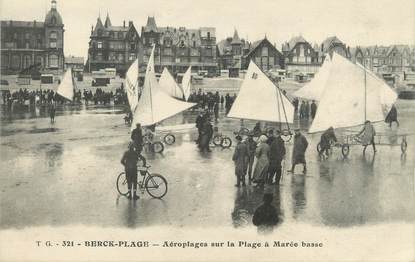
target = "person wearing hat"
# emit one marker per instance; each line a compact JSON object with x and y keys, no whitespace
{"x":240,"y":158}
{"x":266,"y":216}
{"x":300,"y":146}
{"x":137,"y":138}
{"x":251,"y":145}
{"x":262,"y":163}
{"x":368,"y":136}
{"x":276,"y":155}
{"x":129,"y":161}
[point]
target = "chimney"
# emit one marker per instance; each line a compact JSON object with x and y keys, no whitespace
{"x":322,"y":47}
{"x":130,"y":23}
{"x":92,"y":29}
{"x":123,"y":23}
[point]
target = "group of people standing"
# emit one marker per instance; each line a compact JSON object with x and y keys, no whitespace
{"x":305,"y":109}
{"x":205,"y":131}
{"x":269,"y":152}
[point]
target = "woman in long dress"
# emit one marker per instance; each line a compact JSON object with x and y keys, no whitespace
{"x":367,"y":136}
{"x":262,"y":160}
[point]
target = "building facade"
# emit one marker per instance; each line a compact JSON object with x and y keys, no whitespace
{"x":179,"y":48}
{"x":300,"y":56}
{"x":28,"y":43}
{"x":265,"y":55}
{"x":231,"y":51}
{"x":112,"y":46}
{"x":330,"y":45}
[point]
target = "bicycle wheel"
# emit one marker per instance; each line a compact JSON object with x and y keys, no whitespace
{"x":158,"y":147}
{"x":286,"y":135}
{"x":217,"y":140}
{"x":169,"y":139}
{"x":226,"y":142}
{"x":122,"y":184}
{"x":156,"y":185}
{"x":345,"y":150}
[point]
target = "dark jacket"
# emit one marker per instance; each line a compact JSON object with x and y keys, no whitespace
{"x":392,"y":115}
{"x":300,"y":146}
{"x":130,"y":160}
{"x":277,"y":151}
{"x":240,"y":157}
{"x":326,"y":138}
{"x":137,"y":136}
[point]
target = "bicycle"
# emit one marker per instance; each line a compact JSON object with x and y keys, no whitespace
{"x":154,"y":184}
{"x":154,"y":146}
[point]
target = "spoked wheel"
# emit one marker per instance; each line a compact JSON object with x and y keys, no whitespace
{"x":122,"y":184}
{"x":404,"y":145}
{"x":158,"y":147}
{"x":244,"y":131}
{"x":345,"y":150}
{"x":226,"y":142}
{"x":217,"y":140}
{"x":319,"y":148}
{"x":169,"y":139}
{"x":156,"y":185}
{"x":286,"y":135}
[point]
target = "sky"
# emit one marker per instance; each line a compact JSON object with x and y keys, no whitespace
{"x":355,"y":22}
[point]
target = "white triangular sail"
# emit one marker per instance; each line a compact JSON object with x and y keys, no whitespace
{"x":170,"y":86}
{"x":387,"y":95}
{"x":186,"y":83}
{"x":351,"y":96}
{"x":154,"y":104}
{"x":131,"y":85}
{"x":259,"y":99}
{"x":314,"y":89}
{"x":67,"y":85}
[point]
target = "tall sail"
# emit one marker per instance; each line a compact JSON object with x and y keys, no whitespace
{"x":154,"y":104}
{"x":131,"y":85}
{"x":387,"y":95}
{"x":67,"y":85}
{"x":170,"y":86}
{"x":351,"y":96}
{"x":259,"y":99}
{"x":314,"y":89}
{"x":186,"y":83}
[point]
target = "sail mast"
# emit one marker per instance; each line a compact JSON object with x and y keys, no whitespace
{"x":364,"y":69}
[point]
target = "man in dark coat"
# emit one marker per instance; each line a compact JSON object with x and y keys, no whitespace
{"x":327,"y":138}
{"x":251,"y":145}
{"x":129,"y":161}
{"x":207,"y":133}
{"x":313,"y":109}
{"x":266,"y":215}
{"x":199,"y":125}
{"x":300,"y":146}
{"x":392,"y":116}
{"x":52,"y":112}
{"x":302,"y":110}
{"x":276,"y":155}
{"x":137,"y":138}
{"x":240,"y":158}
{"x":270,"y":136}
{"x":216,"y":111}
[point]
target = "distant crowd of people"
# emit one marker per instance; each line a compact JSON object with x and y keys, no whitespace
{"x":305,"y":110}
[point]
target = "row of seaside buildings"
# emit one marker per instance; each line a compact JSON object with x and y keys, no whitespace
{"x":41,"y":43}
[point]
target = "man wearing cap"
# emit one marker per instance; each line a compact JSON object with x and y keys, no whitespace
{"x":300,"y":146}
{"x":251,"y":145}
{"x":240,"y":158}
{"x":137,"y":137}
{"x":129,"y":161}
{"x":276,"y":155}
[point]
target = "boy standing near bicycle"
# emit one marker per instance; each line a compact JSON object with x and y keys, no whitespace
{"x":129,"y":161}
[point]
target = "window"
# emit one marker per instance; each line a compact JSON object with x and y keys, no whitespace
{"x":53,"y":35}
{"x":99,"y":45}
{"x":194,"y":43}
{"x":120,"y":35}
{"x":53,"y":44}
{"x":27,"y":36}
{"x":121,"y":57}
{"x":15,"y":61}
{"x":39,"y":60}
{"x":132,"y":46}
{"x":53,"y":61}
{"x":131,"y":57}
{"x":27,"y":45}
{"x":99,"y":56}
{"x":264,"y":51}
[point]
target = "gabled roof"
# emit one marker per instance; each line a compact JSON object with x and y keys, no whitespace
{"x":296,"y":39}
{"x":400,"y":48}
{"x":236,"y":40}
{"x":151,"y":25}
{"x":255,"y":45}
{"x":98,"y":26}
{"x":107,"y":21}
{"x":330,"y":41}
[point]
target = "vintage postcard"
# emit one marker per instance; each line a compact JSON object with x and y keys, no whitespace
{"x":218,"y":130}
